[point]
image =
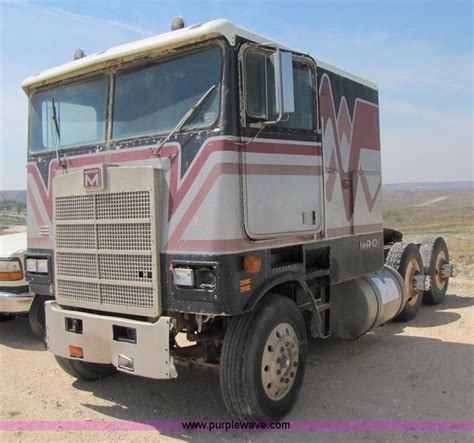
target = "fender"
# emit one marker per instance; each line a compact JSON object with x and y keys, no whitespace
{"x":289,"y":277}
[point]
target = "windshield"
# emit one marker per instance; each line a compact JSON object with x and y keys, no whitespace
{"x":78,"y":109}
{"x":154,"y":99}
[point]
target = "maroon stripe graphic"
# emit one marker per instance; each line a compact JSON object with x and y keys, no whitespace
{"x":281,"y":148}
{"x":266,"y":169}
{"x":35,"y":207}
{"x":357,"y":229}
{"x":171,"y":150}
{"x":232,"y":168}
{"x":177,"y":190}
{"x":362,"y":133}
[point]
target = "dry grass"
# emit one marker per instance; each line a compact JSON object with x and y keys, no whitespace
{"x":449,"y":213}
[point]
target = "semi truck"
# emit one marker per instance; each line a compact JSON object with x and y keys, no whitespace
{"x":210,"y":198}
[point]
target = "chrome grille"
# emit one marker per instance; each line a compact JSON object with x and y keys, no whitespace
{"x":107,"y":249}
{"x":123,"y":205}
{"x":75,"y":236}
{"x":137,"y":268}
{"x":127,"y":236}
{"x":127,"y":295}
{"x":77,"y":265}
{"x":77,"y":290}
{"x":75,"y":207}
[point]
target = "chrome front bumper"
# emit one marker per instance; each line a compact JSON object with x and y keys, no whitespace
{"x":11,"y":303}
{"x":147,"y":355}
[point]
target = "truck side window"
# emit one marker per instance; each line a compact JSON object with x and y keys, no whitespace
{"x":260,"y":92}
{"x":303,"y":117}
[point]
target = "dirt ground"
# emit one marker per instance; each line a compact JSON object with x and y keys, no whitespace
{"x":13,"y":229}
{"x":422,"y":370}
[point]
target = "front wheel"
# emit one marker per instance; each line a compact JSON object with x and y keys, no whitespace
{"x":83,"y":370}
{"x":36,"y":315}
{"x":263,"y":360}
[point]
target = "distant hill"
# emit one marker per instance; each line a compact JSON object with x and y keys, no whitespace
{"x":430,"y":185}
{"x":18,"y":196}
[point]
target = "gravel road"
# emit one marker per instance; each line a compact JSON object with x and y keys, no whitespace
{"x":422,"y":370}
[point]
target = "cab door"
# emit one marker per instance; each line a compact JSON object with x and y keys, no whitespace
{"x":281,"y":162}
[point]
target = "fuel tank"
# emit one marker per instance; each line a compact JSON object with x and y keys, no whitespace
{"x":359,"y":305}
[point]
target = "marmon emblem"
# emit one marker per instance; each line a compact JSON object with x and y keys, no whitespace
{"x":369,"y":243}
{"x":92,"y":178}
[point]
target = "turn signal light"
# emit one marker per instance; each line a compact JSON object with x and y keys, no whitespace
{"x":76,"y":352}
{"x":10,"y":269}
{"x":15,"y":275}
{"x":252,"y":264}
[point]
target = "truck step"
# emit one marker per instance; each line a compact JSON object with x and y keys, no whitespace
{"x":316,"y":273}
{"x":323,"y":306}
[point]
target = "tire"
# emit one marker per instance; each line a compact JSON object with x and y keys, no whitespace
{"x":36,"y":316}
{"x":434,"y":253}
{"x":83,"y":370}
{"x":405,"y":258}
{"x":391,"y":236}
{"x":257,"y":345}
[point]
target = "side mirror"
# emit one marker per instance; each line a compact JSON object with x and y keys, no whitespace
{"x":269,"y":91}
{"x":284,"y":88}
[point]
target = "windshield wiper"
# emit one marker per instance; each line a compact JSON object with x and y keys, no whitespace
{"x":57,"y":138}
{"x":189,"y":114}
{"x":54,"y":117}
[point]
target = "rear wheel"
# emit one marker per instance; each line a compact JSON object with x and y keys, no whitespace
{"x":263,"y":360}
{"x":434,"y":253}
{"x":83,"y":370}
{"x":406,"y":259}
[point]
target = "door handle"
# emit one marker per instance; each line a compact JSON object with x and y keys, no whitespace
{"x":309,"y":217}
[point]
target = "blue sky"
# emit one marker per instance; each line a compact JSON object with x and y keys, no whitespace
{"x":419,"y":53}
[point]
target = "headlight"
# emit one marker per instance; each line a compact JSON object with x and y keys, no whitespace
{"x":37,"y":265}
{"x":183,"y":277}
{"x":200,"y":277}
{"x":10,"y":269}
{"x":42,"y":266}
{"x":31,"y":264}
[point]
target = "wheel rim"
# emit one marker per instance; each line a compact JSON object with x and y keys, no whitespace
{"x":441,"y":260}
{"x":280,"y":361}
{"x":413,"y":268}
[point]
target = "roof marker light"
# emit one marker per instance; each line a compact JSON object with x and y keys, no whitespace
{"x":79,"y":53}
{"x":177,"y":23}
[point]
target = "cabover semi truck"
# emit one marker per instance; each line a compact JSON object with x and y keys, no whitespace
{"x":209,"y":197}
